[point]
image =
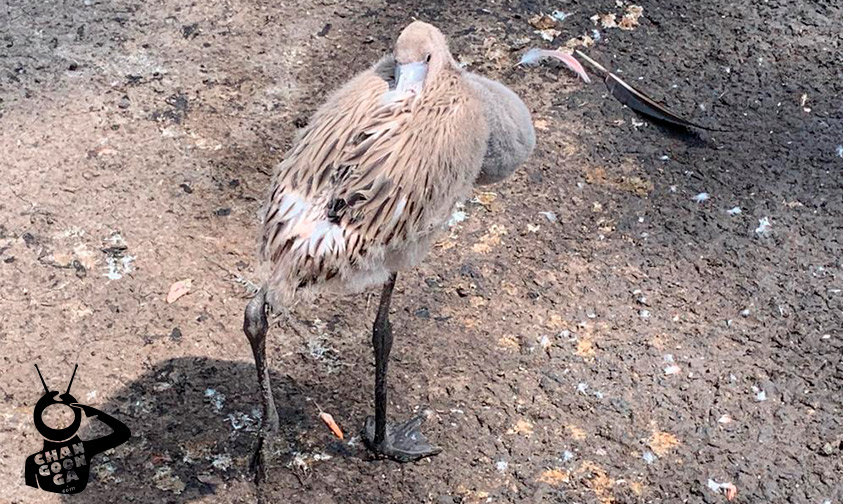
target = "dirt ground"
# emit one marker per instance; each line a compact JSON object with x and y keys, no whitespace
{"x":642,"y":346}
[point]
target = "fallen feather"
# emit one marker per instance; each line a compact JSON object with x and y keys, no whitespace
{"x":560,"y":16}
{"x":764,"y":227}
{"x":840,"y":151}
{"x":649,"y":457}
{"x":216,"y":398}
{"x":179,"y":289}
{"x":535,"y":56}
{"x":734,"y":211}
{"x":639,"y":101}
{"x":501,"y":465}
{"x":672,"y":370}
{"x":703,"y":196}
{"x":760,"y":395}
{"x":550,"y":216}
{"x":329,"y":421}
{"x":458,"y":216}
{"x":724,"y":419}
{"x":222,"y":462}
{"x":728,"y":489}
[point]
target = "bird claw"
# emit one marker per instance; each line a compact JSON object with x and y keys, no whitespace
{"x":404,"y":442}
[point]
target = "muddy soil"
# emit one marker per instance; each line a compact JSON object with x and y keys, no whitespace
{"x":639,"y":344}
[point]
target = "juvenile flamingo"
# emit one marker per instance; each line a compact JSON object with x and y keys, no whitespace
{"x":361,"y":195}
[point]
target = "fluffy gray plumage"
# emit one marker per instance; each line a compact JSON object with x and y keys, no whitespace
{"x":511,"y":134}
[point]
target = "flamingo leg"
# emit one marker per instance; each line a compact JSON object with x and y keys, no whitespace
{"x":401,"y":442}
{"x":255,"y":326}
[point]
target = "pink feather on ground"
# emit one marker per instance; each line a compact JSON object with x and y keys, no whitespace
{"x":535,"y":56}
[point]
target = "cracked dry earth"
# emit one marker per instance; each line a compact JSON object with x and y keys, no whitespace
{"x":634,"y":345}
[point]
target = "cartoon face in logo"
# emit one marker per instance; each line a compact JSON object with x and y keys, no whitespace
{"x":63,"y":465}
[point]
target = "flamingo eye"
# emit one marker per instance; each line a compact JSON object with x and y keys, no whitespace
{"x":427,"y":58}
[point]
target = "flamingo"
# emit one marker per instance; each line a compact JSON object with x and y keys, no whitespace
{"x":361,"y":195}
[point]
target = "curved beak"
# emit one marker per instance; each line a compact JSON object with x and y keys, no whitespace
{"x":409,"y":77}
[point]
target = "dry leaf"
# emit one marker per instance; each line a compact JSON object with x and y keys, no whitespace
{"x":485,"y":198}
{"x":554,"y":477}
{"x":630,"y":19}
{"x":585,"y":348}
{"x":576,"y":432}
{"x":540,"y":124}
{"x":329,"y":421}
{"x":490,"y":239}
{"x":542,"y":22}
{"x":608,"y":20}
{"x":179,"y":289}
{"x":522,"y":427}
{"x":662,"y":442}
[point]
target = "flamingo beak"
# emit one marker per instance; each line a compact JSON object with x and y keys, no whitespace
{"x":409,"y":77}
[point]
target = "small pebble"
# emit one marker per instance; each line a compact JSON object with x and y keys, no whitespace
{"x":649,"y":457}
{"x":644,"y":314}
